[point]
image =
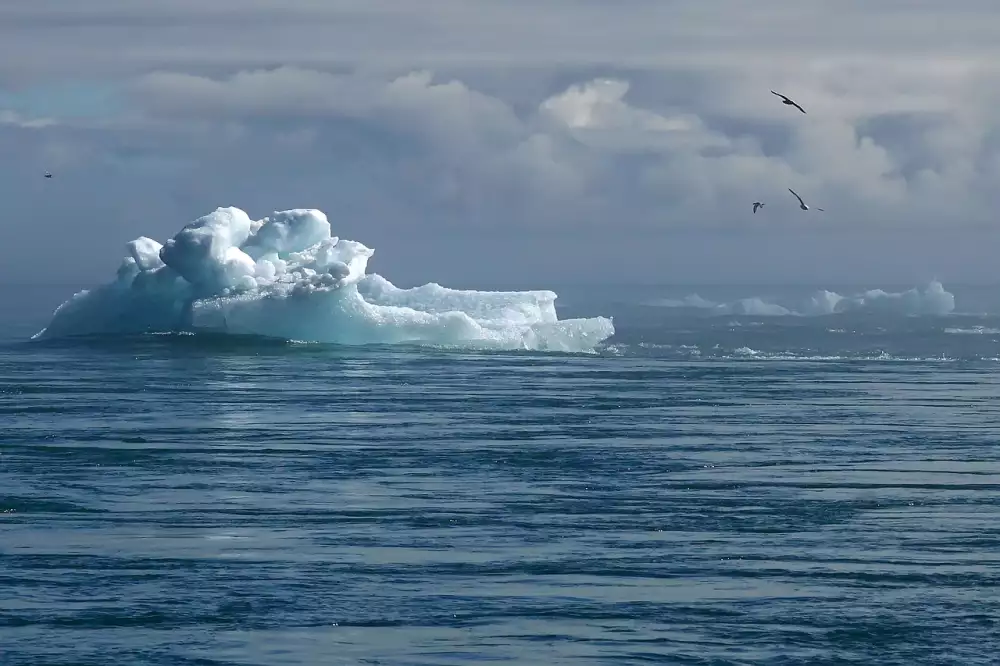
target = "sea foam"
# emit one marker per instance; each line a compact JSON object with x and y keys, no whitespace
{"x":288,"y":277}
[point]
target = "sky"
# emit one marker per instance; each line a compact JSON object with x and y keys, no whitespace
{"x":514,"y":142}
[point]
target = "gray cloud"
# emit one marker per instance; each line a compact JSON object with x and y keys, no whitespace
{"x":582,"y":139}
{"x":59,"y":37}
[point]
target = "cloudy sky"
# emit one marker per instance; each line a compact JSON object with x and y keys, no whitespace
{"x":518,"y":142}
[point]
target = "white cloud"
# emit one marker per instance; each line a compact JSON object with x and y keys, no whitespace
{"x":596,"y":157}
{"x":600,"y":104}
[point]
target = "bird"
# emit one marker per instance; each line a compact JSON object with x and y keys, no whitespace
{"x":756,"y":205}
{"x":788,"y":101}
{"x":48,"y":175}
{"x":802,"y":204}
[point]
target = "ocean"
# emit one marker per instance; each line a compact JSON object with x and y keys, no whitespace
{"x":737,"y":476}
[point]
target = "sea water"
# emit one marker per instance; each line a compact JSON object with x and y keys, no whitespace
{"x":732,"y":477}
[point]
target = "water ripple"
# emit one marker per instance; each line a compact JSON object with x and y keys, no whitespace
{"x":164,"y":502}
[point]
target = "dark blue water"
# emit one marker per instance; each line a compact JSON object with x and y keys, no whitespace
{"x":707,"y":489}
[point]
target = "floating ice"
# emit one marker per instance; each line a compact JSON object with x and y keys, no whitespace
{"x":287,"y":277}
{"x":932,"y":300}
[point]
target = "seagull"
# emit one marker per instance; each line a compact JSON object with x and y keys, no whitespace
{"x":788,"y":101}
{"x":756,"y":205}
{"x":802,"y":204}
{"x":48,"y":175}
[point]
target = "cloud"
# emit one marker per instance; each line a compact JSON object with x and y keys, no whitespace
{"x":647,"y":122}
{"x":589,"y":147}
{"x":54,"y":37}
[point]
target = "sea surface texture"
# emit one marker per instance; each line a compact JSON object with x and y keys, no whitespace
{"x":733,"y":478}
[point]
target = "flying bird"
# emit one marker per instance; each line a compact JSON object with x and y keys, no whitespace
{"x":756,"y":205}
{"x":48,"y":175}
{"x":789,"y":102}
{"x":802,"y":204}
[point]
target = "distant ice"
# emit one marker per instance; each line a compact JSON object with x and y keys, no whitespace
{"x":932,"y":300}
{"x":288,"y":277}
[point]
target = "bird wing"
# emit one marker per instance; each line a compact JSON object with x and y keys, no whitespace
{"x":819,"y":209}
{"x":790,"y":101}
{"x":797,"y":196}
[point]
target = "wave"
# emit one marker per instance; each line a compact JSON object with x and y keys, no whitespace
{"x":975,"y":330}
{"x":717,"y":352}
{"x":287,"y":277}
{"x":931,"y":300}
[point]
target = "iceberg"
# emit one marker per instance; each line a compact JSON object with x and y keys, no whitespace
{"x":286,"y":276}
{"x":933,"y":300}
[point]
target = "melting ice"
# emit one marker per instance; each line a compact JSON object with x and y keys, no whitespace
{"x":287,"y":277}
